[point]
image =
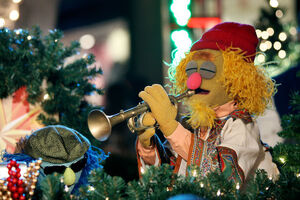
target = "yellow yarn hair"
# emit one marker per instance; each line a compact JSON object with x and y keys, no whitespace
{"x":246,"y":83}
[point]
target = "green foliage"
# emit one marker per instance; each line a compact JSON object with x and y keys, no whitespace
{"x":43,"y":65}
{"x":161,"y":183}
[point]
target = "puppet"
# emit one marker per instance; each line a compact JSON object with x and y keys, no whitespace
{"x":63,"y":150}
{"x":219,"y":132}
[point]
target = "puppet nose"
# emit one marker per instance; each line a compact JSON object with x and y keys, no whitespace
{"x":194,"y":81}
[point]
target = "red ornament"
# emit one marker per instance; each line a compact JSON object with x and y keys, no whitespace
{"x":8,"y":166}
{"x":15,"y":180}
{"x":20,"y":190}
{"x":13,"y":188}
{"x":13,"y":163}
{"x":20,"y":182}
{"x":22,"y":197}
{"x":15,"y":195}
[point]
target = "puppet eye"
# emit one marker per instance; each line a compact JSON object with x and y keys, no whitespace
{"x":208,"y":70}
{"x":191,"y":68}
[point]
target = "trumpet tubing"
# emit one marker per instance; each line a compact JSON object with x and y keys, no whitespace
{"x":100,"y":124}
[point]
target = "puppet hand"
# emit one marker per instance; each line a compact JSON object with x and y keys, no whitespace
{"x":145,"y":136}
{"x":161,"y":107}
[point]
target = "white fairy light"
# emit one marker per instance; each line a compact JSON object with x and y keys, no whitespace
{"x":16,"y":1}
{"x":282,"y":36}
{"x":293,"y":30}
{"x":274,"y":3}
{"x":268,"y":44}
{"x":263,"y":46}
{"x":46,"y":97}
{"x":282,"y":54}
{"x":264,"y":35}
{"x":29,"y":37}
{"x":2,"y":22}
{"x":237,"y":186}
{"x":277,"y":45}
{"x":282,"y":159}
{"x":91,"y":188}
{"x":201,"y":185}
{"x":270,"y":31}
{"x":279,"y":13}
{"x":14,"y":15}
{"x":261,"y":58}
{"x":194,"y":173}
{"x":142,"y":170}
{"x":258,"y":33}
{"x":219,"y":192}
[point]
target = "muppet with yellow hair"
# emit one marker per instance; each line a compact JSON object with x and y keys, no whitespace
{"x":218,"y":133}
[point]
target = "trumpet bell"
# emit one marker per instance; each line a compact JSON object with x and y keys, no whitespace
{"x":99,"y":125}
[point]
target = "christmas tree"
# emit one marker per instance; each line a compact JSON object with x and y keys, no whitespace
{"x":278,"y":39}
{"x":38,"y":63}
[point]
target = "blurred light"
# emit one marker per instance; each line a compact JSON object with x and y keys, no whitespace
{"x":87,"y":41}
{"x":279,"y":13}
{"x":181,"y":12}
{"x":203,"y":22}
{"x":263,"y":46}
{"x":219,"y":192}
{"x":181,"y":39}
{"x":264,"y":35}
{"x":258,"y":33}
{"x":142,"y":170}
{"x":293,"y":30}
{"x":274,"y":3}
{"x":237,"y":186}
{"x":2,"y":22}
{"x":18,"y":31}
{"x":282,"y":36}
{"x":118,"y":44}
{"x":282,"y":54}
{"x":270,"y":31}
{"x":201,"y":185}
{"x":261,"y":58}
{"x":14,"y":15}
{"x":277,"y":45}
{"x":29,"y":37}
{"x":46,"y":97}
{"x":269,"y":44}
{"x":16,"y":1}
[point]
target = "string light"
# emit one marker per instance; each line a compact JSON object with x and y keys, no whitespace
{"x":293,"y":30}
{"x":2,"y":22}
{"x":91,"y":188}
{"x":277,"y":45}
{"x":282,"y":36}
{"x":263,"y":46}
{"x":46,"y":97}
{"x":282,"y":54}
{"x":274,"y":3}
{"x":201,"y":185}
{"x":194,"y":172}
{"x":219,"y":192}
{"x":261,"y":58}
{"x":269,"y":44}
{"x":16,"y":1}
{"x":279,"y":13}
{"x":29,"y":37}
{"x":258,"y":33}
{"x":264,"y":35}
{"x":14,"y":15}
{"x":282,"y":160}
{"x":270,"y":31}
{"x":237,"y":186}
{"x":142,"y":170}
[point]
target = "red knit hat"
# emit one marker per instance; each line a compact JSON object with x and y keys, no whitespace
{"x":229,"y":34}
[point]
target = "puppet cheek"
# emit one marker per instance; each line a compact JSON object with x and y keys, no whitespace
{"x":194,"y":81}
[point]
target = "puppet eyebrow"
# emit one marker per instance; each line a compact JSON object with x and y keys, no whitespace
{"x":204,"y":55}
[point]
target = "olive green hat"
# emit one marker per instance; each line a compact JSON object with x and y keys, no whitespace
{"x":56,"y":144}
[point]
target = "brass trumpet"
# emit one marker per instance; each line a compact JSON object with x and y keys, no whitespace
{"x":100,"y":124}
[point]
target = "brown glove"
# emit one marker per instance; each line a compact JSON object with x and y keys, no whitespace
{"x":161,"y":107}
